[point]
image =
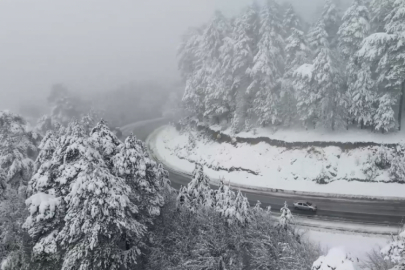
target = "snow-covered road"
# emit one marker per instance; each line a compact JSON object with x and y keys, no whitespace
{"x":386,"y":212}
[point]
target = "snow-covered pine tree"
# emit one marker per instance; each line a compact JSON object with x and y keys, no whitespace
{"x":319,"y":87}
{"x":242,"y":209}
{"x":268,"y":66}
{"x":379,"y":11}
{"x":291,"y":21}
{"x":105,"y":141}
{"x":190,"y":67}
{"x":88,"y":121}
{"x":297,"y":54}
{"x":189,"y":53}
{"x":80,"y":213}
{"x":245,"y":35}
{"x":327,"y":84}
{"x":17,"y":149}
{"x":45,"y":123}
{"x":384,"y":118}
{"x":219,"y":99}
{"x":286,"y":217}
{"x":331,"y":17}
{"x":216,"y":90}
{"x":318,"y":38}
{"x":182,"y":199}
{"x":355,"y":27}
{"x":147,"y":179}
{"x":224,"y":201}
{"x":18,"y":166}
{"x":3,"y":181}
{"x":385,"y":55}
{"x":395,"y":66}
{"x":362,"y":95}
{"x":257,"y":209}
{"x":47,"y":148}
{"x":297,"y":51}
{"x":362,"y":89}
{"x":197,"y":194}
{"x":306,"y":96}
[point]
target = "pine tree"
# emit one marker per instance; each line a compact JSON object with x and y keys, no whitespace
{"x":268,"y":67}
{"x":47,"y":148}
{"x":362,"y":95}
{"x":105,"y":141}
{"x":384,"y":118}
{"x":224,"y":201}
{"x":17,"y":149}
{"x":258,"y":208}
{"x":45,"y":123}
{"x":395,"y":65}
{"x":147,"y":179}
{"x":291,"y":21}
{"x":320,"y":99}
{"x":242,"y":209}
{"x":318,"y":38}
{"x":297,"y":54}
{"x":197,"y":194}
{"x":3,"y":181}
{"x":219,"y":100}
{"x":379,"y":11}
{"x":355,"y":27}
{"x":306,"y":96}
{"x":331,"y":18}
{"x":245,"y":35}
{"x":190,"y":66}
{"x":384,"y":54}
{"x":286,"y":217}
{"x":189,"y":53}
{"x":79,"y":207}
{"x":19,"y":167}
{"x":213,"y":40}
{"x":328,"y":86}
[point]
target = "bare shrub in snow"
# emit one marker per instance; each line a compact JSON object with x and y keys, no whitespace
{"x":323,"y":178}
{"x":191,"y":142}
{"x":397,"y":169}
{"x":383,"y":158}
{"x":375,"y":261}
{"x":370,"y":169}
{"x":395,"y":251}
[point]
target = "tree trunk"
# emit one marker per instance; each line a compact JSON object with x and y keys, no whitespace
{"x":401,"y":101}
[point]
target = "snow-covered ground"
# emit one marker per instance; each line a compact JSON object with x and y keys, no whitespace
{"x":353,"y":134}
{"x":276,"y":167}
{"x":357,"y":245}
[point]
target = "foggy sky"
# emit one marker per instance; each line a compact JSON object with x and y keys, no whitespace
{"x":91,"y":45}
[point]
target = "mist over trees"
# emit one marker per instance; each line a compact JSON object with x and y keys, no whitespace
{"x":263,"y":68}
{"x":127,"y":104}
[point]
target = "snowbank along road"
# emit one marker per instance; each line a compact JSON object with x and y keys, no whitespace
{"x":384,"y":212}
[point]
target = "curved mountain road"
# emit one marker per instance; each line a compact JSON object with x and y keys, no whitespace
{"x":381,"y":212}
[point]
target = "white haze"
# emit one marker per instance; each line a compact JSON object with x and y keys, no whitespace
{"x":94,"y":45}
